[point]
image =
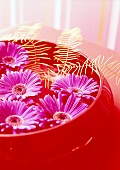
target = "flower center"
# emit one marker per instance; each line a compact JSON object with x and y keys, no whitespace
{"x":19,"y":89}
{"x":62,"y":116}
{"x":14,"y":120}
{"x":75,"y":90}
{"x":8,"y":60}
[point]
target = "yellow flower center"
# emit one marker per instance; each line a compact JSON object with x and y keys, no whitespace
{"x":19,"y":89}
{"x":62,"y":116}
{"x":75,"y":90}
{"x":8,"y":60}
{"x":14,"y":120}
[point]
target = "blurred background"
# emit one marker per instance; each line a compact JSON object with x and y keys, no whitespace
{"x":99,"y":20}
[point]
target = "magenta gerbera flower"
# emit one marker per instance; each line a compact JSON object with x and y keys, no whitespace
{"x":12,"y":54}
{"x":58,"y":109}
{"x":19,"y":84}
{"x":82,"y":86}
{"x":17,"y":117}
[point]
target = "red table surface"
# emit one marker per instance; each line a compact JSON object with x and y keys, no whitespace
{"x":103,"y":152}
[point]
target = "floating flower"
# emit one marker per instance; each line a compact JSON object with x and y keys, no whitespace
{"x":19,"y":84}
{"x":82,"y":86}
{"x":16,"y":117}
{"x":12,"y":54}
{"x":57,"y":109}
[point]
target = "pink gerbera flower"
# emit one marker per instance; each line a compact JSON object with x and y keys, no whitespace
{"x":19,"y":85}
{"x":12,"y":54}
{"x":58,"y":109}
{"x":16,"y":117}
{"x":82,"y":86}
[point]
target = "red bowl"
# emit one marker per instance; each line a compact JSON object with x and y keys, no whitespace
{"x":45,"y":145}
